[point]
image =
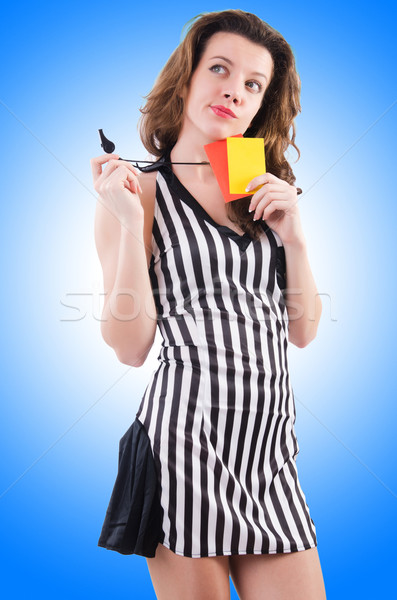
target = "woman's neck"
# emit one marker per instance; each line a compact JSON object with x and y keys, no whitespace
{"x":191,"y":149}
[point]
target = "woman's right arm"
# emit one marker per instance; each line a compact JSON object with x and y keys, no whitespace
{"x":123,"y":232}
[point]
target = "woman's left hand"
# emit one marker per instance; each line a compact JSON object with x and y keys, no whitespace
{"x":276,"y":202}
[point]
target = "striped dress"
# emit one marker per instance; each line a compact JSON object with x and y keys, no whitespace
{"x":219,"y":409}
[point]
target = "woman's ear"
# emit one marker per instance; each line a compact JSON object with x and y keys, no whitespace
{"x":182,"y":93}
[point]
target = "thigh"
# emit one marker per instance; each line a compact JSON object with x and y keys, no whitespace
{"x":177,"y":577}
{"x":289,"y":576}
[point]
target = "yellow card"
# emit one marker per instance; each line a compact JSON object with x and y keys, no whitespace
{"x":246,"y":160}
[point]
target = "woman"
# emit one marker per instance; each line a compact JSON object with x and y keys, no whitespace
{"x":207,"y":470}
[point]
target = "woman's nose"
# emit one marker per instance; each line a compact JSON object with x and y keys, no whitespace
{"x":234,"y":95}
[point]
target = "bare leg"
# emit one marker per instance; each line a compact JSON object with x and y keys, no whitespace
{"x":177,"y":577}
{"x":292,"y":576}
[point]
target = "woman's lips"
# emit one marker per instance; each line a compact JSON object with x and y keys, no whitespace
{"x":221,"y":111}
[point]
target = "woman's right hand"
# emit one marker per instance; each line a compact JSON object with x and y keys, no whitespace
{"x":118,"y":186}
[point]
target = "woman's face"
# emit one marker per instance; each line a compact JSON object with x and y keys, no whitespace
{"x":233,"y":74}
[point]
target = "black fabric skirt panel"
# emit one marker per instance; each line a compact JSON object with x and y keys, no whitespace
{"x":133,"y":518}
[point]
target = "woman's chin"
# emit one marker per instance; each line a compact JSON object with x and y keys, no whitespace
{"x":220,"y":133}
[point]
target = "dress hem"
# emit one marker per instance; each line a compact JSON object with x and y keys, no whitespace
{"x":238,"y":553}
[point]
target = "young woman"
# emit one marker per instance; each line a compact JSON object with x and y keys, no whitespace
{"x":207,"y":484}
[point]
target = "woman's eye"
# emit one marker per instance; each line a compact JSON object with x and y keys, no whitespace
{"x":216,"y":68}
{"x":256,"y":85}
{"x":253,"y":85}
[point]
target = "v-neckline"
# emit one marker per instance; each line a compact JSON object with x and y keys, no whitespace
{"x":242,"y":240}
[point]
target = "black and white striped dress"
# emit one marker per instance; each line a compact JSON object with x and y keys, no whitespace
{"x":218,"y":413}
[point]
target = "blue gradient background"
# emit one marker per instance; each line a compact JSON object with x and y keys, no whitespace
{"x":70,"y":68}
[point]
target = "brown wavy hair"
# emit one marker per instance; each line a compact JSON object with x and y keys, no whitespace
{"x":163,"y":113}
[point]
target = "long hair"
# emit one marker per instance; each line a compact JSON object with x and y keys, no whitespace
{"x":163,"y":114}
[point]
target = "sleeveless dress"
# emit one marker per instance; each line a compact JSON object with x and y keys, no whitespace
{"x":208,"y":468}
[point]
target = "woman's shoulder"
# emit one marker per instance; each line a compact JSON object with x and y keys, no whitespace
{"x":148,"y":185}
{"x":148,"y":180}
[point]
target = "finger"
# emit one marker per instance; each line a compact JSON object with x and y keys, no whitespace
{"x":264,"y":193}
{"x":134,"y":184}
{"x":261,"y":180}
{"x":98,"y":161}
{"x":273,"y":206}
{"x":129,"y":165}
{"x":264,"y":190}
{"x":122,"y":177}
{"x":113,"y":166}
{"x":263,"y":205}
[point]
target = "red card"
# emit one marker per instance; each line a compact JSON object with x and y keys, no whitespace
{"x":217,"y":155}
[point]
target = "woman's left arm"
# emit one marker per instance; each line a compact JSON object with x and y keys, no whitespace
{"x":276,"y":202}
{"x":301,"y":296}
